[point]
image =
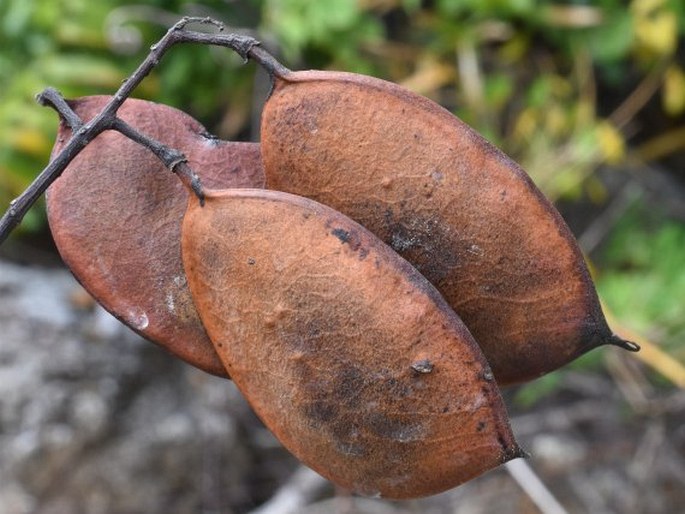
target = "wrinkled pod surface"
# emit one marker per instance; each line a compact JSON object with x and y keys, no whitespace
{"x":115,"y":215}
{"x":463,"y":213}
{"x":343,"y":349}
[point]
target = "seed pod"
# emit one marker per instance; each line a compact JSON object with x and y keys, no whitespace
{"x":464,"y":214}
{"x":343,"y":349}
{"x":115,"y":215}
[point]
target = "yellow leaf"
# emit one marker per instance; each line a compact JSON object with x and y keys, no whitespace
{"x":525,"y":125}
{"x":610,"y":141}
{"x":644,"y":8}
{"x":596,"y":190}
{"x":674,"y":90}
{"x":515,"y":49}
{"x":650,"y":353}
{"x":585,"y":112}
{"x":658,"y":32}
{"x":430,"y":75}
{"x":556,"y":121}
{"x":30,"y":141}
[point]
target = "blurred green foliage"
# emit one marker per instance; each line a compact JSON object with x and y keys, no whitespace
{"x":84,"y":48}
{"x":561,"y":85}
{"x":644,"y":276}
{"x":526,"y":73}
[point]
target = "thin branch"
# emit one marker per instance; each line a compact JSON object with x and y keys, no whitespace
{"x":644,"y":91}
{"x":174,"y":160}
{"x":663,"y":145}
{"x":245,"y":46}
{"x":593,"y":235}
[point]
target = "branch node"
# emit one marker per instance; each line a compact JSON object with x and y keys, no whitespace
{"x":175,"y":158}
{"x":244,"y":46}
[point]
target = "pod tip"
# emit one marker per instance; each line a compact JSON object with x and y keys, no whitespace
{"x":622,"y":343}
{"x":514,"y":452}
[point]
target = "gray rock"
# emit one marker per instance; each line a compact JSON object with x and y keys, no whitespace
{"x":93,"y":419}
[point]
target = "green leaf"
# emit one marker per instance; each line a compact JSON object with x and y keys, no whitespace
{"x":614,"y":39}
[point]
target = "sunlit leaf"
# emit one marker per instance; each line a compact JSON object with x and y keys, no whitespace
{"x":674,"y":90}
{"x":657,"y":31}
{"x":31,"y":141}
{"x":611,"y":142}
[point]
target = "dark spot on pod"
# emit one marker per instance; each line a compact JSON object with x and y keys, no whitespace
{"x":463,"y":214}
{"x":352,"y":239}
{"x":341,"y":234}
{"x":344,"y":397}
{"x":321,"y":411}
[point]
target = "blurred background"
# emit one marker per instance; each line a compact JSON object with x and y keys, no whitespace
{"x":589,"y":96}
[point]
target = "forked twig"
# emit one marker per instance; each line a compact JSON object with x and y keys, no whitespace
{"x":174,"y":160}
{"x":245,"y":46}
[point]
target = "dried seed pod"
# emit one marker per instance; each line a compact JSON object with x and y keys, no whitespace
{"x":115,"y":215}
{"x":449,"y":202}
{"x":344,"y":350}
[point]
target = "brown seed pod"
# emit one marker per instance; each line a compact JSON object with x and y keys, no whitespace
{"x":115,"y":215}
{"x":458,"y":209}
{"x":344,"y":350}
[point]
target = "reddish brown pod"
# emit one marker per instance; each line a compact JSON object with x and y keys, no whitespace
{"x":115,"y":214}
{"x":457,"y":208}
{"x":344,"y":350}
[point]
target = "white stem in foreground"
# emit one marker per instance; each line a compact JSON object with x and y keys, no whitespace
{"x":297,"y":492}
{"x":528,"y":480}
